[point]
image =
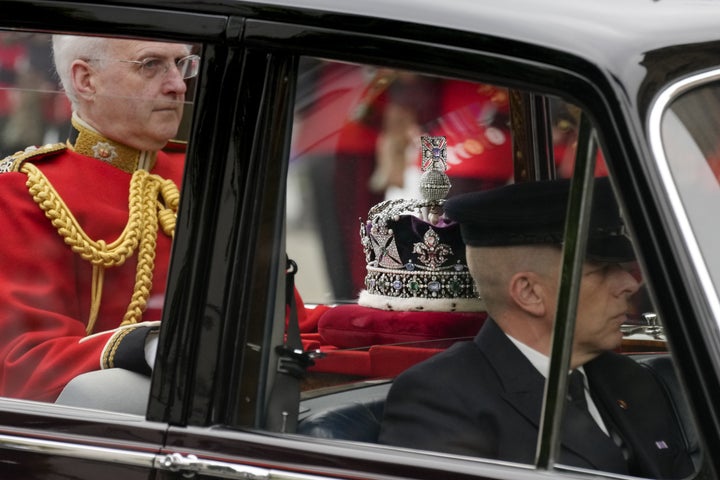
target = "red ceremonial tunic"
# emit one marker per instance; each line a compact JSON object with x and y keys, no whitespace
{"x":45,"y":288}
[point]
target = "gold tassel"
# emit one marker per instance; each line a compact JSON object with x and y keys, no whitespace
{"x":98,"y":276}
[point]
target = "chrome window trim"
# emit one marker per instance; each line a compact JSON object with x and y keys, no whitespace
{"x":657,"y":109}
{"x":77,"y":450}
{"x":188,"y":465}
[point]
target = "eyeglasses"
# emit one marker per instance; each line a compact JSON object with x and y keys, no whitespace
{"x":151,"y":67}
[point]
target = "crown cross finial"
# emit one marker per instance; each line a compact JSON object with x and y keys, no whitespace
{"x":434,"y":182}
{"x":434,"y":153}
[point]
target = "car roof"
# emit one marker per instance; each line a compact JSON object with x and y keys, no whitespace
{"x":637,"y":45}
{"x":576,"y":26}
{"x":608,"y":32}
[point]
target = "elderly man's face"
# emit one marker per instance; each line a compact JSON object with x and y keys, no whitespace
{"x":603,"y":304}
{"x":131,"y":108}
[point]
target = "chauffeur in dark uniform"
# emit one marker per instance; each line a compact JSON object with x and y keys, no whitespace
{"x":88,"y":224}
{"x":483,"y":398}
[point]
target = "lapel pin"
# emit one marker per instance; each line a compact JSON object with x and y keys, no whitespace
{"x":661,"y":445}
{"x":622,"y":404}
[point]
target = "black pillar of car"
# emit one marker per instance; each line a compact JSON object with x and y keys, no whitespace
{"x":576,"y":233}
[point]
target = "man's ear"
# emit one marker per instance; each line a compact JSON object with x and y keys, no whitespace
{"x":83,"y":79}
{"x":528,"y":294}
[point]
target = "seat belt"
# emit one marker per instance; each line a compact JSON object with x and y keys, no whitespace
{"x":293,"y":361}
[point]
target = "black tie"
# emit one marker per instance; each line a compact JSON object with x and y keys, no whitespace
{"x":576,"y":390}
{"x":576,"y":395}
{"x":609,"y":457}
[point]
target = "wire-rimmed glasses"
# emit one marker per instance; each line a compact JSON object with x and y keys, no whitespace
{"x":151,"y":67}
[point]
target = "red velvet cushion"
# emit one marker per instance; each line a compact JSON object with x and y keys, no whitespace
{"x":352,"y":326}
{"x":346,"y":362}
{"x":381,"y":361}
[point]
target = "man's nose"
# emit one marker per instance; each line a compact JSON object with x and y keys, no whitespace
{"x":174,"y":80}
{"x":627,"y":283}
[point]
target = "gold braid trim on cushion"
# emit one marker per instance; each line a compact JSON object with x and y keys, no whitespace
{"x":152,"y":200}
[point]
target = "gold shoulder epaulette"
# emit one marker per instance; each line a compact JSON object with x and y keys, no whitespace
{"x":12,"y":163}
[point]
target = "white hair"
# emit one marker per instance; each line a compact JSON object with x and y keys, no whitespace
{"x":67,"y":49}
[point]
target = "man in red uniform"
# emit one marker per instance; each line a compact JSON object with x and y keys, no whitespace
{"x":88,"y":225}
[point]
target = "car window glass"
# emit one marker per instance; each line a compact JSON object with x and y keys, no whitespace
{"x":690,"y":141}
{"x":358,"y":142}
{"x":73,"y":179}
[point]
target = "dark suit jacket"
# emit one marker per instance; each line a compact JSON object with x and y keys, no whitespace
{"x":484,"y":398}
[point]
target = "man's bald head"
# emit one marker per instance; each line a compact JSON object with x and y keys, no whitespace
{"x":493,"y":269}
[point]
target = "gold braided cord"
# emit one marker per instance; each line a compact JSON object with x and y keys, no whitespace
{"x":152,"y":200}
{"x":167,"y":212}
{"x":96,"y":252}
{"x":146,"y":257}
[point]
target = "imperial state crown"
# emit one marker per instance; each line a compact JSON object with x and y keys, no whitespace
{"x":415,"y":257}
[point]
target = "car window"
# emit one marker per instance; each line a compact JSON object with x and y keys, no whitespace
{"x":83,"y":268}
{"x":361,"y":135}
{"x":688,"y":139}
{"x":357,"y":142}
